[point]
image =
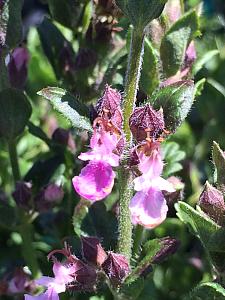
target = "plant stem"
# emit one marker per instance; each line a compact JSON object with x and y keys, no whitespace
{"x":14,"y":160}
{"x":25,"y":228}
{"x":132,"y":78}
{"x":125,"y":175}
{"x":125,"y":225}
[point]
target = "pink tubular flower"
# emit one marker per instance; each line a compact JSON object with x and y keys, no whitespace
{"x":96,"y":180}
{"x":148,"y":207}
{"x":55,"y":285}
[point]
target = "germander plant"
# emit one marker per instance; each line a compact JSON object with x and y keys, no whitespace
{"x":127,"y":136}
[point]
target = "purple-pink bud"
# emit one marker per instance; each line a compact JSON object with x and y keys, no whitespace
{"x":48,"y":197}
{"x":17,"y":67}
{"x":93,"y":251}
{"x":212,"y":203}
{"x":64,"y":137}
{"x":169,"y":246}
{"x":22,"y":194}
{"x":109,"y":106}
{"x":116,"y":268}
{"x":146,"y":122}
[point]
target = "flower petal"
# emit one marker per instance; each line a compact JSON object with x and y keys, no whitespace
{"x":148,"y":208}
{"x":95,"y":181}
{"x":163,"y":185}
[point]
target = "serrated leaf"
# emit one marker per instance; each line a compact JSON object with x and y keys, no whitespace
{"x":141,"y":12}
{"x":202,"y":226}
{"x":55,"y":47}
{"x":66,"y":104}
{"x":150,"y":73}
{"x":176,"y":41}
{"x":10,"y":22}
{"x":219,"y":163}
{"x":207,"y":291}
{"x":176,"y":101}
{"x":14,"y":113}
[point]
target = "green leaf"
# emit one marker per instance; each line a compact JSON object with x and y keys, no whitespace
{"x":7,"y":216}
{"x":201,"y":225}
{"x":66,"y":12}
{"x":199,"y":86}
{"x":150,"y":73}
{"x":176,"y":41}
{"x":172,"y":156}
{"x":11,"y":23}
{"x":207,"y":291}
{"x":66,"y":104}
{"x":203,"y":60}
{"x":219,"y":163}
{"x":141,"y":12}
{"x":39,"y":133}
{"x":151,"y":248}
{"x":176,"y":101}
{"x":14,"y":113}
{"x":55,"y":47}
{"x":86,"y":20}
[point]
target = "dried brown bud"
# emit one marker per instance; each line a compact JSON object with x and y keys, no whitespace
{"x":93,"y":251}
{"x":116,"y":267}
{"x":212,"y":203}
{"x":169,"y":247}
{"x":146,"y":122}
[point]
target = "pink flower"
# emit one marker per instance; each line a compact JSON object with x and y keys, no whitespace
{"x":148,"y":207}
{"x":96,"y":180}
{"x":55,"y":285}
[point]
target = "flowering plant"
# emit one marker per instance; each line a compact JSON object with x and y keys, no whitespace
{"x":101,"y":200}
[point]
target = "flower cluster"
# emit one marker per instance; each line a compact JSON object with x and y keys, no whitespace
{"x":82,"y":275}
{"x":95,"y":182}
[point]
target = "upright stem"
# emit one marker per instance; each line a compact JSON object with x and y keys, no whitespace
{"x":14,"y":160}
{"x":25,"y":228}
{"x":132,"y":77}
{"x":125,"y":175}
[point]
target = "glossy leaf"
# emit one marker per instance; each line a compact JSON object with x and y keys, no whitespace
{"x":141,"y":12}
{"x":66,"y":104}
{"x":176,"y":101}
{"x":14,"y":113}
{"x":176,"y":41}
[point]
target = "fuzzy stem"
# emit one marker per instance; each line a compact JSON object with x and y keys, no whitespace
{"x":132,"y":78}
{"x":125,"y":225}
{"x":125,"y":175}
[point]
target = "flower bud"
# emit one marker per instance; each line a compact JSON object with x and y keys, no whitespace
{"x":85,"y":58}
{"x":93,"y":251}
{"x":85,"y":278}
{"x":48,"y":197}
{"x":17,"y":67}
{"x":146,"y":122}
{"x":22,"y":194}
{"x":109,"y":106}
{"x":168,"y":247}
{"x":116,"y":267}
{"x":66,"y":59}
{"x":211,"y":201}
{"x":64,"y":137}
